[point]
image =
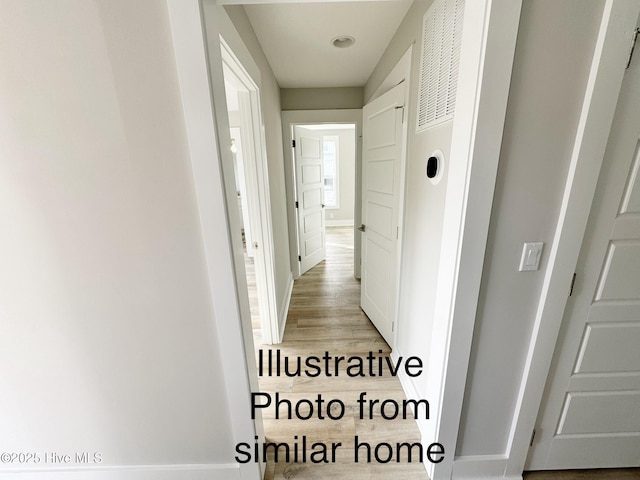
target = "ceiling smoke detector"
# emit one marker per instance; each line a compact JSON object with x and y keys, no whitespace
{"x":343,"y":41}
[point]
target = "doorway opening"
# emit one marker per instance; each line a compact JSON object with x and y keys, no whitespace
{"x":252,"y":194}
{"x":324,"y":184}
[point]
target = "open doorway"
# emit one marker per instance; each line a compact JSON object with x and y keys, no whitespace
{"x":325,"y":318}
{"x":377,"y":192}
{"x":323,"y":119}
{"x":445,"y":326}
{"x":252,"y":194}
{"x":335,"y":323}
{"x":324,"y":170}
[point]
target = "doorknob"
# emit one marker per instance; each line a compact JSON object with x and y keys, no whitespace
{"x":323,"y":205}
{"x":362,"y":228}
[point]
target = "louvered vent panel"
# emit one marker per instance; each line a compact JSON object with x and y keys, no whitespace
{"x":441,"y":38}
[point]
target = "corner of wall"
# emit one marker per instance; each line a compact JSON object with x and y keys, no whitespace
{"x":283,"y":309}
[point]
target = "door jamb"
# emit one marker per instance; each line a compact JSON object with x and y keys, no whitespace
{"x":596,"y":118}
{"x":488,"y":45}
{"x":201,"y":88}
{"x":258,"y":196}
{"x":301,"y":117}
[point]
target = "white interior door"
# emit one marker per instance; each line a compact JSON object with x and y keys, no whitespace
{"x":590,"y":415}
{"x":309,"y":198}
{"x":381,"y":192}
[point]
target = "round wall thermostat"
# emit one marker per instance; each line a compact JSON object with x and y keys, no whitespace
{"x":435,"y":167}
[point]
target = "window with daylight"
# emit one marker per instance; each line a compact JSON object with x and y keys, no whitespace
{"x":330,"y":161}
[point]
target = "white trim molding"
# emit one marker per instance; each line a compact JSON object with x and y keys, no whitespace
{"x":298,"y":117}
{"x":481,"y":466}
{"x":257,"y":191}
{"x":411,"y":392}
{"x":201,"y":87}
{"x":399,"y":73}
{"x":283,"y":311}
{"x":488,"y":45}
{"x":214,"y":471}
{"x":601,"y":97}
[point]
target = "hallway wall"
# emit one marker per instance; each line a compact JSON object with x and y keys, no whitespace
{"x":554,"y":52}
{"x":104,"y":295}
{"x":553,"y":55}
{"x":109,"y":340}
{"x":321,"y":98}
{"x":424,"y":202}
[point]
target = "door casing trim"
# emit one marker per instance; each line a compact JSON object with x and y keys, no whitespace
{"x":486,"y":60}
{"x":290,"y":118}
{"x":594,"y":126}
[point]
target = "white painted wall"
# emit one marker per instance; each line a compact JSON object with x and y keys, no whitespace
{"x":109,"y":341}
{"x":329,"y":98}
{"x":553,"y":55}
{"x":554,"y":51}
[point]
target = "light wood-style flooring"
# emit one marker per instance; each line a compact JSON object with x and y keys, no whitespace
{"x":324,"y":315}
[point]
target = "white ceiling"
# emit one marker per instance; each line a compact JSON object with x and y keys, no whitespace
{"x":296,"y":38}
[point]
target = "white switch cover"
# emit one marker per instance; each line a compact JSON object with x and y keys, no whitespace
{"x":531,"y":253}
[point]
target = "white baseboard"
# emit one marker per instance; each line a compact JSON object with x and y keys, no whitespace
{"x":284,"y":308}
{"x":491,"y":467}
{"x":410,"y":391}
{"x":229,"y":471}
{"x":338,"y":223}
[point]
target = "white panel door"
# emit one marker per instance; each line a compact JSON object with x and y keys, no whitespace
{"x":381,"y":191}
{"x":590,"y":415}
{"x":310,"y":198}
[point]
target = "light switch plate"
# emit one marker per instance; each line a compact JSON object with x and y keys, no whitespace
{"x":531,"y":253}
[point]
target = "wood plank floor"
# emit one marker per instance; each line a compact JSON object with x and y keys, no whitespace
{"x":324,"y":315}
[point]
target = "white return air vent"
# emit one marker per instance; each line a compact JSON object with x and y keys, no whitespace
{"x":441,"y":39}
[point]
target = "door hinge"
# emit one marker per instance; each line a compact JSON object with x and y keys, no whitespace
{"x":393,"y":326}
{"x":634,"y":39}
{"x":533,"y":436}
{"x":293,"y":143}
{"x":573,"y":282}
{"x":296,"y":204}
{"x":397,"y":233}
{"x":402,"y":107}
{"x":299,"y":258}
